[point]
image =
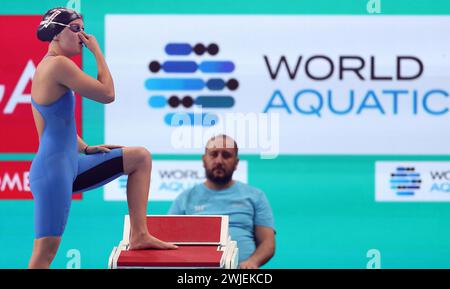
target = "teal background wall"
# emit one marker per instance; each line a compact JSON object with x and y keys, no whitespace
{"x":324,"y":207}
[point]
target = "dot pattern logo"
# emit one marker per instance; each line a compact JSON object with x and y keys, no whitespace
{"x":179,"y":94}
{"x":405,"y":181}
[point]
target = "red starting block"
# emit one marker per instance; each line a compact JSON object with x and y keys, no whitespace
{"x":203,"y":242}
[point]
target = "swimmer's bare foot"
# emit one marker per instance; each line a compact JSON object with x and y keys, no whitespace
{"x":147,"y":241}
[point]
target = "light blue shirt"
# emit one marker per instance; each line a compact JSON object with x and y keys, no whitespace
{"x":246,"y":207}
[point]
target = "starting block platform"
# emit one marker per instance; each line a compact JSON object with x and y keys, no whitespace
{"x":203,"y":242}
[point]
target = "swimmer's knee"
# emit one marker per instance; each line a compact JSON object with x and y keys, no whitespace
{"x":144,"y":156}
{"x":136,"y":157}
{"x":47,"y":247}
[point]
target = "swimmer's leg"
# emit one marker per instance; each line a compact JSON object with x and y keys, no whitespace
{"x":52,"y":201}
{"x":44,"y":250}
{"x":98,"y":169}
{"x":137,"y":163}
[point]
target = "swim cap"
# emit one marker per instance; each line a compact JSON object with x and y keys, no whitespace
{"x":50,"y":25}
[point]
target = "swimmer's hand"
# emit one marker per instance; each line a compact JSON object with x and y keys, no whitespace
{"x":89,"y":41}
{"x":89,"y":150}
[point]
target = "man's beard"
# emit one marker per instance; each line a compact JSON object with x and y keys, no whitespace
{"x":222,"y":180}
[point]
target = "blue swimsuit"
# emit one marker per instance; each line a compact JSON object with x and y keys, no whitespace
{"x":58,"y":170}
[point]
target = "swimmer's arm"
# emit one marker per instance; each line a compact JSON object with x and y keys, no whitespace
{"x":81,"y":144}
{"x":68,"y":74}
{"x":103,"y":74}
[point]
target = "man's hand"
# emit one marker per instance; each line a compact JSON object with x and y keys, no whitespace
{"x":265,"y":248}
{"x":248,"y":264}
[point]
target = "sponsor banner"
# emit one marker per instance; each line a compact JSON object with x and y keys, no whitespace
{"x":412,"y":181}
{"x":169,"y":179}
{"x":326,"y":84}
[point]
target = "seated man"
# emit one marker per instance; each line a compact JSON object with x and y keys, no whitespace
{"x":251,"y":219}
